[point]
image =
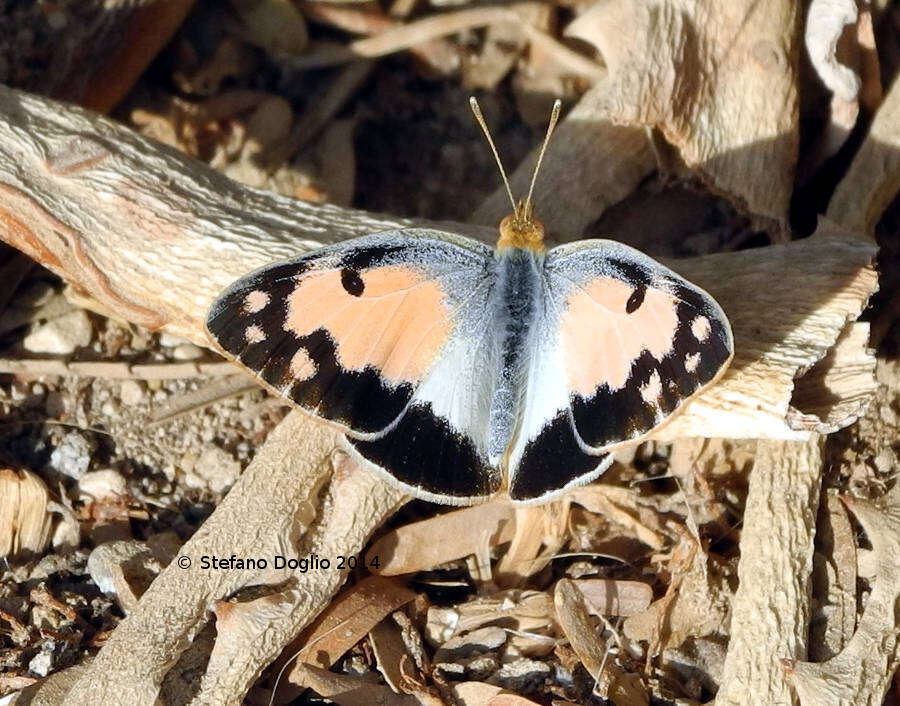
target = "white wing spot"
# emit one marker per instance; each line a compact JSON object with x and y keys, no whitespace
{"x":256,"y":301}
{"x":691,"y":362}
{"x":700,"y":328}
{"x":652,"y":390}
{"x":302,"y":366}
{"x":254,"y":334}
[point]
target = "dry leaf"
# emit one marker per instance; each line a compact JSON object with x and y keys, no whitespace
{"x":863,"y":671}
{"x":612,"y":682}
{"x":614,"y":597}
{"x":349,"y":617}
{"x":717,"y":78}
{"x":413,"y":547}
{"x":349,"y":691}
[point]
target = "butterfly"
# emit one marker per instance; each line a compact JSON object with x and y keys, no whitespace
{"x":458,"y":371}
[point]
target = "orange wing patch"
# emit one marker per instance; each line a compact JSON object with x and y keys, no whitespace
{"x":406,"y":319}
{"x":599,"y":314}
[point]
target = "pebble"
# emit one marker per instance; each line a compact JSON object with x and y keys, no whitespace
{"x":41,"y":664}
{"x":104,"y":483}
{"x":131,"y":392}
{"x":187,"y":351}
{"x":168,"y":340}
{"x":73,"y":455}
{"x":62,"y":335}
{"x":472,"y":643}
{"x":215,"y":469}
{"x":521,"y":676}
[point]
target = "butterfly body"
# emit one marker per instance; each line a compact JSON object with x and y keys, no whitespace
{"x":459,"y":371}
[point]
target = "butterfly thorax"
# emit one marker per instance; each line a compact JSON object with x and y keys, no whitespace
{"x":522,"y":230}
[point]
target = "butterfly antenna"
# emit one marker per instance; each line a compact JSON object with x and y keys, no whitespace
{"x":554,"y":118}
{"x":476,"y":109}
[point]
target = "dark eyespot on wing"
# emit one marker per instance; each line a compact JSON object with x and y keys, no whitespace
{"x":424,"y":452}
{"x":551,"y":461}
{"x":352,"y":282}
{"x":636,"y":299}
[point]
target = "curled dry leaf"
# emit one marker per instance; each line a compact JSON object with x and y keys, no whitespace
{"x":536,"y":527}
{"x":873,"y":179}
{"x":718,"y":79}
{"x":770,"y":611}
{"x":838,"y":389}
{"x":825,"y":22}
{"x":412,"y":547}
{"x":391,"y":654}
{"x":619,"y":505}
{"x":846,"y":63}
{"x":863,"y":671}
{"x":123,"y":570}
{"x":526,"y":611}
{"x":696,"y":603}
{"x":25,"y":521}
{"x":834,"y":582}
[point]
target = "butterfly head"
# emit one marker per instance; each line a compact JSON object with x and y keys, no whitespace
{"x":520,"y":229}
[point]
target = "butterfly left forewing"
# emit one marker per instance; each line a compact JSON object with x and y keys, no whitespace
{"x":638,"y":340}
{"x":627,"y":342}
{"x":349,"y":331}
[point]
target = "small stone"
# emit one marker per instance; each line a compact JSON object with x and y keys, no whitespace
{"x":451,"y":670}
{"x":62,"y":335}
{"x":168,"y":340}
{"x":131,"y":392}
{"x":522,"y":676}
{"x":73,"y":455}
{"x":216,"y":469}
{"x":885,"y":461}
{"x":42,"y":663}
{"x":472,"y":643}
{"x":482,"y":667}
{"x":105,"y":483}
{"x":187,"y":351}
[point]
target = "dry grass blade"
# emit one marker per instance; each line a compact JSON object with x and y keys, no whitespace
{"x":198,"y":399}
